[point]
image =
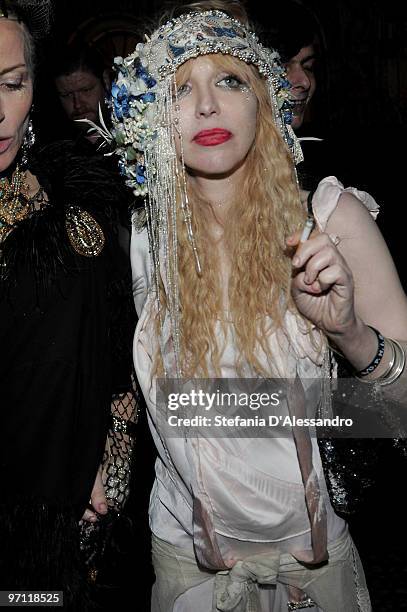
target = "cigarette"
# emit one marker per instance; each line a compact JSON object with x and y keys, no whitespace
{"x":308,"y":227}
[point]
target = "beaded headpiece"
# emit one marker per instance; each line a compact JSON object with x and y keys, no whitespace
{"x":145,"y":78}
{"x":145,"y":113}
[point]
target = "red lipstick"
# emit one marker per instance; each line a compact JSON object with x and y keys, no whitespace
{"x":211,"y":138}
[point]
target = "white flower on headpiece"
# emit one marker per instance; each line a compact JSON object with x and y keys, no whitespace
{"x":140,"y":50}
{"x":137,"y":87}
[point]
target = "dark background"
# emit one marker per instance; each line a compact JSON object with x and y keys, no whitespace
{"x":361,"y":106}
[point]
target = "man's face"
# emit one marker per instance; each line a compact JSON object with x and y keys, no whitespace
{"x":80,"y":93}
{"x":300,"y":73}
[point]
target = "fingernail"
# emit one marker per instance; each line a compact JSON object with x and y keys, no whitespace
{"x":296,"y":262}
{"x":306,"y":279}
{"x":103,"y":508}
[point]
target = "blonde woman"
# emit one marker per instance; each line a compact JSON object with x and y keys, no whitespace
{"x":225,"y":288}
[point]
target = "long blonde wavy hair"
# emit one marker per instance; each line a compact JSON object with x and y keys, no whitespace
{"x":266,"y":210}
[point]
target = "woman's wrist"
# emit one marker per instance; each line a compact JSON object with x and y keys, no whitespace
{"x":358,"y":344}
{"x":372,"y":356}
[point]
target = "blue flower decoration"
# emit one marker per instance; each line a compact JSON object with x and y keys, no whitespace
{"x":142,"y":73}
{"x":121,"y":100}
{"x":140,"y":174}
{"x":148,"y":97}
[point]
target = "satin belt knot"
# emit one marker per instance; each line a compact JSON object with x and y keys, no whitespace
{"x":235,"y":589}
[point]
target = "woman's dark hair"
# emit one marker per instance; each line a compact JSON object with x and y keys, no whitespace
{"x":287,"y":28}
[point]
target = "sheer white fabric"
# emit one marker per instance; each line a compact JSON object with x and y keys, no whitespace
{"x":253,"y":486}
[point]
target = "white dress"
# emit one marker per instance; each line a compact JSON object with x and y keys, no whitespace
{"x":252,"y":486}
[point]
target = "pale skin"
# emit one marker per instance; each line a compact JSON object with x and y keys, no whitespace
{"x":357,"y":294}
{"x":211,"y":99}
{"x":340,"y":288}
{"x":362,"y":283}
{"x":16,"y":93}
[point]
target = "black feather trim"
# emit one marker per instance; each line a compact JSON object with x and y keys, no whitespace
{"x":40,"y":241}
{"x":84,"y":181}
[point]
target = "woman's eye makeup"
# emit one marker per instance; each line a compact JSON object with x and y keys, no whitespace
{"x":231,"y":81}
{"x":13,"y":83}
{"x":182,"y":89}
{"x":228,"y":81}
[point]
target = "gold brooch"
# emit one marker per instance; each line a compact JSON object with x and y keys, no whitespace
{"x":84,"y":232}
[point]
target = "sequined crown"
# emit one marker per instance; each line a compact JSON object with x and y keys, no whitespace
{"x":138,"y":90}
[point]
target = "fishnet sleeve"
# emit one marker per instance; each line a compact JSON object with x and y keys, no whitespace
{"x":117,"y":458}
{"x":116,"y":472}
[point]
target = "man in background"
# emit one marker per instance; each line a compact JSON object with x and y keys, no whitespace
{"x":82,"y":83}
{"x":294,"y":30}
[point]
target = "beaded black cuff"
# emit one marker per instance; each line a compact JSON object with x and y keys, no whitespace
{"x":377,"y":358}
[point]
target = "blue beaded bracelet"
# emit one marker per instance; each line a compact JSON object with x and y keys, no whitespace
{"x":377,"y":358}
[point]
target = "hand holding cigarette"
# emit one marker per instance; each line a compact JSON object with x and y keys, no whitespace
{"x":322,"y":285}
{"x":308,"y":227}
{"x":302,"y":235}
